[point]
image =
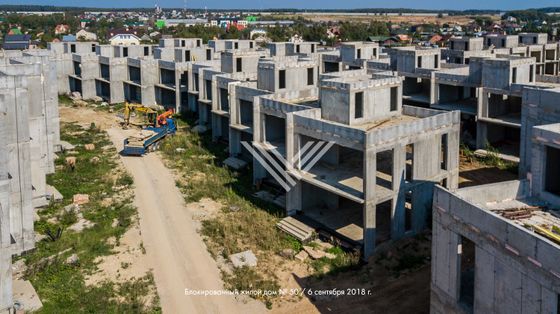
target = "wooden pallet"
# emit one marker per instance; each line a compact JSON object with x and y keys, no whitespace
{"x":296,"y":228}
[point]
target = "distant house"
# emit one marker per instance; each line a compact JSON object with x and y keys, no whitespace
{"x":124,"y":40}
{"x":14,"y":31}
{"x":436,"y":39}
{"x":68,"y":38}
{"x":384,"y":40}
{"x":84,"y":22}
{"x":333,"y":32}
{"x":17,"y":42}
{"x":61,"y":29}
{"x":85,"y":35}
{"x":120,"y":31}
{"x":145,"y":37}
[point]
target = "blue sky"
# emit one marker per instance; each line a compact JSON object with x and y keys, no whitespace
{"x":305,"y":4}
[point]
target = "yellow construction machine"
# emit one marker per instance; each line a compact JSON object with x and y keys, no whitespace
{"x":150,"y":114}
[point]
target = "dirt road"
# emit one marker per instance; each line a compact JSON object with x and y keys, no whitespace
{"x":174,"y":248}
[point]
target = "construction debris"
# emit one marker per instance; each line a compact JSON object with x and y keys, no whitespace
{"x":26,"y":299}
{"x":246,"y":258}
{"x":315,"y":254}
{"x":89,"y":146}
{"x":73,"y":259}
{"x":301,"y":256}
{"x":80,"y":199}
{"x":53,"y":194}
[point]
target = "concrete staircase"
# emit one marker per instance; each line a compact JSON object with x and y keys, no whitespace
{"x":296,"y":228}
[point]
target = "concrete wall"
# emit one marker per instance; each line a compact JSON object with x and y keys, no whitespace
{"x":466,"y":43}
{"x":498,"y":73}
{"x":533,"y":38}
{"x":295,"y":73}
{"x":539,"y":107}
{"x":514,"y":269}
{"x":501,"y":41}
{"x":338,"y":99}
{"x":29,"y":132}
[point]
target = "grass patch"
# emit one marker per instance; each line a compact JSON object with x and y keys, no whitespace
{"x":343,"y":261}
{"x":492,"y":158}
{"x":61,"y":287}
{"x":247,"y":279}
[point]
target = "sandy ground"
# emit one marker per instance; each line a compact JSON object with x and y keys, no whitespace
{"x":175,"y":252}
{"x":128,"y":262}
{"x":174,"y":248}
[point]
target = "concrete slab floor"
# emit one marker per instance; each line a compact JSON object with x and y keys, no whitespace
{"x":348,"y":224}
{"x":347,"y":177}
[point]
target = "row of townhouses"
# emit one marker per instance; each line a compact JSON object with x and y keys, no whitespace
{"x":362,"y":142}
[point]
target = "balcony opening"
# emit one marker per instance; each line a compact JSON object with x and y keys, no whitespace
{"x":467,"y":253}
{"x":310,"y":75}
{"x":552,"y":173}
{"x":359,"y":105}
{"x":443,"y":152}
{"x":224,"y":100}
{"x":394,"y":98}
{"x":239,"y":64}
{"x":281,"y":79}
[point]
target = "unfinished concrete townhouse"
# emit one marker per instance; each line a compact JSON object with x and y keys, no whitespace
{"x":293,"y":76}
{"x":29,"y":135}
{"x":368,"y":187}
{"x":495,"y":247}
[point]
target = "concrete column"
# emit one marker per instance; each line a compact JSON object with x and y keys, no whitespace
{"x":258,"y":121}
{"x":369,"y":214}
{"x":202,"y":114}
{"x":6,"y":294}
{"x":5,"y":240}
{"x":398,"y":203}
{"x":216,"y":127}
{"x":294,"y":195}
{"x":234,"y":142}
{"x":433,"y":87}
{"x":177,"y":90}
{"x":436,"y":95}
{"x":453,"y":141}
